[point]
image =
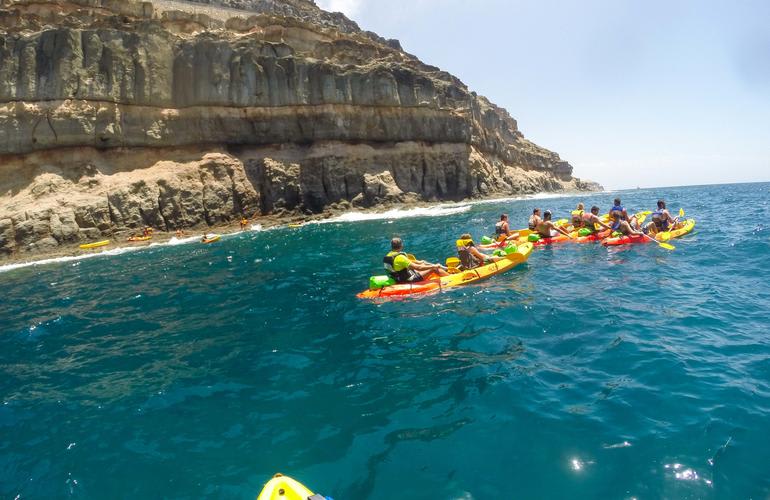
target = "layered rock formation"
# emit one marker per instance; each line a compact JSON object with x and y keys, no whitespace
{"x":117,"y":115}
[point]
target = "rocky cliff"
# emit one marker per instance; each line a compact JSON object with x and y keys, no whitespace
{"x":116,"y":115}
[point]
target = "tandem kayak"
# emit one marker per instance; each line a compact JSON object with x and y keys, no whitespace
{"x":96,"y":244}
{"x":435,"y":282}
{"x":601,"y":235}
{"x":138,"y":238}
{"x":282,"y":487}
{"x":686,"y":228}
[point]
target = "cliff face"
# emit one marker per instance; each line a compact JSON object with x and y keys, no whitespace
{"x":116,"y":115}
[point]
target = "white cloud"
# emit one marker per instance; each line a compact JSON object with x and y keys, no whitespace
{"x":348,"y":7}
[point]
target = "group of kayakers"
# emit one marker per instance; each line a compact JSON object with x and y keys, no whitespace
{"x":619,"y":221}
{"x":405,"y":268}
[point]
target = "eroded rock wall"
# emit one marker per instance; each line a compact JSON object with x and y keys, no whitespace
{"x":118,"y":115}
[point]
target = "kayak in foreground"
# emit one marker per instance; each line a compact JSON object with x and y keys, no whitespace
{"x":96,"y":244}
{"x":435,"y":282}
{"x":688,"y":226}
{"x":282,"y":487}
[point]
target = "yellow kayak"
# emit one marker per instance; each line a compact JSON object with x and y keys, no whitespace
{"x":96,"y":244}
{"x":687,"y":227}
{"x":295,"y":225}
{"x":435,"y":282}
{"x":210,"y":238}
{"x":282,"y":487}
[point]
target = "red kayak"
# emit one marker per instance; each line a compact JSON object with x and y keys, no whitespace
{"x":593,"y":237}
{"x":550,"y":241}
{"x":625,"y":240}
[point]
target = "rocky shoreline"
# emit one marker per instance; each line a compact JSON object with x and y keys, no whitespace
{"x":115,"y":116}
{"x":119,"y":239}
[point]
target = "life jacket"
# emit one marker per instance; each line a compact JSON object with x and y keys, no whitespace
{"x":657,"y":218}
{"x":467,"y":259}
{"x":401,"y":276}
{"x":532,"y":226}
{"x":616,"y":213}
{"x":577,"y":216}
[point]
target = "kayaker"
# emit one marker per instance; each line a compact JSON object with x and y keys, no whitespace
{"x":547,"y":229}
{"x":403,"y":270}
{"x":147,"y":231}
{"x":577,"y":216}
{"x":534,"y":219}
{"x":244,"y":222}
{"x":470,"y":256}
{"x":621,"y":222}
{"x":503,"y":229}
{"x":587,"y":220}
{"x":661,"y":220}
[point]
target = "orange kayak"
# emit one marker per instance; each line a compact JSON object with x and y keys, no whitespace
{"x":435,"y":282}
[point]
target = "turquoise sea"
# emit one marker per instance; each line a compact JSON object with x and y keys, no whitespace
{"x":198,"y":371}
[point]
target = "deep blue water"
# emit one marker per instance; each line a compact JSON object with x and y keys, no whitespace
{"x":199,"y":371}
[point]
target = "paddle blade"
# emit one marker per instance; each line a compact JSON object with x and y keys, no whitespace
{"x":667,"y":246}
{"x":452,"y":262}
{"x":411,"y":257}
{"x":681,"y":212}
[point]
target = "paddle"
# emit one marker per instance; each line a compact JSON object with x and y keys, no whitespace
{"x":660,"y":243}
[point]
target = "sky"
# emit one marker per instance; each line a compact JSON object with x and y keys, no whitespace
{"x":631,"y":93}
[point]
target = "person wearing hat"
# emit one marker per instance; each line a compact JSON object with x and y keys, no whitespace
{"x":547,"y":229}
{"x":404,"y":270}
{"x":470,"y":256}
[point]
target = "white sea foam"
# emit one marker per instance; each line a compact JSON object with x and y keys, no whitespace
{"x":396,"y":213}
{"x":179,"y":241}
{"x":68,"y":258}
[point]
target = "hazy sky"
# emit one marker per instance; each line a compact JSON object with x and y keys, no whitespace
{"x":630,"y":93}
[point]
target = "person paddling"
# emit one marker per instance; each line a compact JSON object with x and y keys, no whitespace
{"x":403,"y":270}
{"x":470,"y":256}
{"x":589,"y":219}
{"x":547,"y":229}
{"x":534,"y":219}
{"x":661,"y":220}
{"x":503,"y":229}
{"x":621,"y":222}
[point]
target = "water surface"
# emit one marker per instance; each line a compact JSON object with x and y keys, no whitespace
{"x":198,"y":371}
